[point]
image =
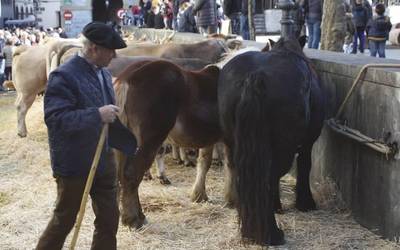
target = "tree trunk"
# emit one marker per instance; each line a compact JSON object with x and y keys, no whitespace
{"x":250,"y":17}
{"x":333,"y":25}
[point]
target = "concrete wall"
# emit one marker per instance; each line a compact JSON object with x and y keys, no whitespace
{"x":368,"y":181}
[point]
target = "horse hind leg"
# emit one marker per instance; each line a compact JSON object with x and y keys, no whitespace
{"x":175,"y":154}
{"x":160,"y":162}
{"x":304,"y":199}
{"x":23,"y":103}
{"x":132,"y":174}
{"x":203,"y":165}
{"x":231,"y":194}
{"x":217,"y":154}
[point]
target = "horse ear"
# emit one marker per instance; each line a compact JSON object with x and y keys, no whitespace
{"x":302,"y":41}
{"x":272,"y":43}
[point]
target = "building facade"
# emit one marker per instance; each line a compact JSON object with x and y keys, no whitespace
{"x":6,"y":11}
{"x":48,"y":13}
{"x":23,"y":9}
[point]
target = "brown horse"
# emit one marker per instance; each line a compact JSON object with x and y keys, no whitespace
{"x":186,"y":104}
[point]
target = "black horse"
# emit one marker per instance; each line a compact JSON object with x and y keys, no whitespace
{"x":271,"y":107}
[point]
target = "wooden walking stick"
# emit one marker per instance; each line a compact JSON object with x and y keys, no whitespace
{"x":88,"y":185}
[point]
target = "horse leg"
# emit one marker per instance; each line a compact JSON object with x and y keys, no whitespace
{"x":161,"y":166}
{"x":175,"y":155}
{"x":304,"y":199}
{"x":132,"y":174}
{"x":277,"y":197}
{"x":231,"y":195}
{"x":184,"y":156}
{"x":203,"y":165}
{"x":23,"y":103}
{"x":216,"y":155}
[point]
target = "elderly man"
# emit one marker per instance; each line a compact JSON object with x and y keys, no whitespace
{"x":78,"y":101}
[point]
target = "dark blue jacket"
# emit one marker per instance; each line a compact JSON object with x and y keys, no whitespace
{"x":71,"y":114}
{"x":360,"y":15}
{"x":232,"y":6}
{"x":378,"y":28}
{"x":186,"y":21}
{"x":313,"y":9}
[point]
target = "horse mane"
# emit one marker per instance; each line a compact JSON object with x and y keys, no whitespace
{"x":226,"y":57}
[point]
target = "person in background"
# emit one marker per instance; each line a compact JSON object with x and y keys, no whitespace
{"x":350,"y":30}
{"x":206,"y":12}
{"x":313,"y":12}
{"x":7,"y":55}
{"x":360,"y":19}
{"x":2,"y":67}
{"x":186,"y":21}
{"x":61,"y":32}
{"x":378,"y":29}
{"x":233,"y":10}
{"x":244,"y":19}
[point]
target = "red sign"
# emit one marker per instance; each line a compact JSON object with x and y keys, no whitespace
{"x":67,"y":15}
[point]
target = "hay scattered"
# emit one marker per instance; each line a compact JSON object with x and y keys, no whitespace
{"x":174,"y":222}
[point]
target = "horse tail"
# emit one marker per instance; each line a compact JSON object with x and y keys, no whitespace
{"x":252,"y":158}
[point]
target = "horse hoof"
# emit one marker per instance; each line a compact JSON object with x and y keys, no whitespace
{"x":147,"y":177}
{"x":217,"y":163}
{"x":229,"y":204}
{"x":164,"y":180}
{"x":199,"y":197}
{"x":305,"y":206}
{"x":278,"y":208}
{"x":189,"y":164}
{"x":179,"y":162}
{"x":134,"y":223}
{"x":22,"y":135}
{"x":277,"y":238}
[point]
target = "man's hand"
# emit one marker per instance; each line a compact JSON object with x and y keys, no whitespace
{"x":108,"y":113}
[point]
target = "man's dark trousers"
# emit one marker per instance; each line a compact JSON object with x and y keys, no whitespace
{"x":104,"y":203}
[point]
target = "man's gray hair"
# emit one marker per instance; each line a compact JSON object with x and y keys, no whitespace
{"x":86,"y":43}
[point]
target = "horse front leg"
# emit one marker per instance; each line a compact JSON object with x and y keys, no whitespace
{"x":231,"y":194}
{"x":304,"y":199}
{"x":203,"y":165}
{"x":175,"y":154}
{"x":131,"y":177}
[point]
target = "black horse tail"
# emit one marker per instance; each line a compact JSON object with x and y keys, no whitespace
{"x":252,"y":158}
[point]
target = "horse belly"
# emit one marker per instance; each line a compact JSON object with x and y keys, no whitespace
{"x":194,"y":134}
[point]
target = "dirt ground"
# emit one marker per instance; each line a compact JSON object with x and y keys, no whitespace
{"x":27,"y":196}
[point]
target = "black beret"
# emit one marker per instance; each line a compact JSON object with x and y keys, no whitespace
{"x":103,"y":35}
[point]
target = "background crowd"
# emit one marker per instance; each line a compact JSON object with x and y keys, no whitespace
{"x":366,"y":24}
{"x":12,"y":38}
